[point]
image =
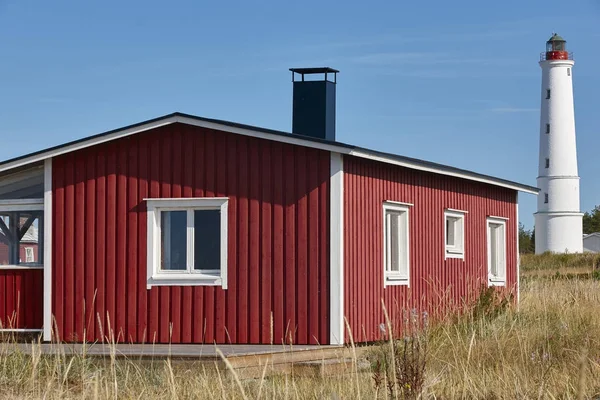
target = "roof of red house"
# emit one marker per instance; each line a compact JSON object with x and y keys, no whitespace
{"x":264,"y":133}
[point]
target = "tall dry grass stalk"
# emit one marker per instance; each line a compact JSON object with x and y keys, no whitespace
{"x":548,"y":348}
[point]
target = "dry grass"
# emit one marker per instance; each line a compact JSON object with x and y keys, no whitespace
{"x":549,"y":264}
{"x":547,"y":348}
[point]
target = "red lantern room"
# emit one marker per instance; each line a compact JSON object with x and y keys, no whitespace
{"x":556,"y":49}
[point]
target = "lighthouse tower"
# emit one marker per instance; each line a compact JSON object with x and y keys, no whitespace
{"x":558,"y":220}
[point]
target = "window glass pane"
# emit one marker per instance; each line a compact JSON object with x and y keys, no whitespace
{"x":5,"y":241}
{"x":395,"y":243}
{"x":494,"y":230}
{"x":450,"y":230}
{"x":27,"y":184}
{"x":173,"y":240}
{"x":29,"y":237}
{"x":207,"y":240}
{"x":20,"y":239}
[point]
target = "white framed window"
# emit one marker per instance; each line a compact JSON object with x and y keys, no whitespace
{"x":454,"y":233}
{"x":21,"y":221}
{"x":187,"y":242}
{"x":496,"y":251}
{"x":396,"y":260}
{"x":547,"y":93}
{"x":568,"y":71}
{"x":29,"y":255}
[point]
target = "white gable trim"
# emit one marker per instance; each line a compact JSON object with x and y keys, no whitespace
{"x":361,"y":153}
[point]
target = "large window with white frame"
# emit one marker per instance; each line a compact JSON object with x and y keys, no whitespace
{"x":187,"y":242}
{"x":21,"y":233}
{"x":396,"y":258}
{"x":454,"y":233}
{"x":496,"y":251}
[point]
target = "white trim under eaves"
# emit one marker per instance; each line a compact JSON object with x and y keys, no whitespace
{"x":441,"y":171}
{"x":336,"y":251}
{"x":248,"y":131}
{"x":47,"y":322}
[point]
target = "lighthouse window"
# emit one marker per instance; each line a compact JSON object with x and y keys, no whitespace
{"x":547,"y":93}
{"x":547,"y":128}
{"x":568,"y":71}
{"x":545,"y":198}
{"x":547,"y":163}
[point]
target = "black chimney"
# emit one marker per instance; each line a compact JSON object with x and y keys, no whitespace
{"x":314,"y":103}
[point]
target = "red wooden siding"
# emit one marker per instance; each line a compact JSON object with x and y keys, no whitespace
{"x":436,"y":285}
{"x":21,"y":298}
{"x":278,"y":235}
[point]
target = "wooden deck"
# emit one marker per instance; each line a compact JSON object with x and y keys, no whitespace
{"x":248,"y":361}
{"x":190,"y":351}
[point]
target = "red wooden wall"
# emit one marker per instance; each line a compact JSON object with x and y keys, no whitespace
{"x":21,"y":298}
{"x":277,"y":246}
{"x":436,"y":285}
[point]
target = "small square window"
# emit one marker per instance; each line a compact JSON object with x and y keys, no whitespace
{"x":547,"y":163}
{"x":547,"y":93}
{"x":547,"y":128}
{"x":568,"y":71}
{"x":395,"y":244}
{"x":187,"y":242}
{"x":545,"y":198}
{"x":496,"y":245}
{"x":454,"y":234}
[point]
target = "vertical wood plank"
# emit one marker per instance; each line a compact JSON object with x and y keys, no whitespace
{"x":254,"y":265}
{"x":90,"y":245}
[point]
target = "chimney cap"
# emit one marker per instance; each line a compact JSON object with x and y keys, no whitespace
{"x":317,"y":70}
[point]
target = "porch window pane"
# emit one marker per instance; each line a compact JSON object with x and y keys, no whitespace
{"x":29,"y":234}
{"x":21,"y":242}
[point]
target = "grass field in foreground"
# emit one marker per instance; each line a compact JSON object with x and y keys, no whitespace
{"x":547,"y":347}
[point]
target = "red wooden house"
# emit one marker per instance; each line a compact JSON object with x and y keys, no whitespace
{"x":192,"y":230}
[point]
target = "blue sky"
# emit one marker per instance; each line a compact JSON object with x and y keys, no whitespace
{"x":456,"y":83}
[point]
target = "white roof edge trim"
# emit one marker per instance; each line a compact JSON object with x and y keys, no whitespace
{"x":406,"y":164}
{"x":87,"y":143}
{"x":263,"y":135}
{"x":253,"y":133}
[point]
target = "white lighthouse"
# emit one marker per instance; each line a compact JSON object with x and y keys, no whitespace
{"x":558,"y":220}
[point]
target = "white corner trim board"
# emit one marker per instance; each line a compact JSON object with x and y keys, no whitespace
{"x":336,"y":261}
{"x":518,"y":250}
{"x":47,"y":320}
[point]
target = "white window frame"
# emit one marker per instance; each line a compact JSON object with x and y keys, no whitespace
{"x":500,"y":279}
{"x":401,"y":277}
{"x":189,"y":277}
{"x":458,"y":249}
{"x":25,"y":205}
